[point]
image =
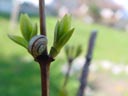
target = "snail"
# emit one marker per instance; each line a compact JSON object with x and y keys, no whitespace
{"x":37,"y":45}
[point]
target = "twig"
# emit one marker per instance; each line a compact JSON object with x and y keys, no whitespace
{"x":68,"y":73}
{"x":84,"y":76}
{"x":42,"y":17}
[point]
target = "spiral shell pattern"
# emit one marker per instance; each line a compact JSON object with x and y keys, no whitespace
{"x":37,"y":45}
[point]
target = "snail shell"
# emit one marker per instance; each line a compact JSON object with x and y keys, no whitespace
{"x":37,"y":45}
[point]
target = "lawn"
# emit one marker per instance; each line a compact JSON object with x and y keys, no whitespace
{"x":19,"y":74}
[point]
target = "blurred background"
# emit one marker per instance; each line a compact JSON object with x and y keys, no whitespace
{"x":20,"y":75}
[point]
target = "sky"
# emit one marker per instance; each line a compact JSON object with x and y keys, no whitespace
{"x":35,"y":2}
{"x":123,"y":3}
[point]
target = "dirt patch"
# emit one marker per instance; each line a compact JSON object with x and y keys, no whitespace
{"x":106,"y":85}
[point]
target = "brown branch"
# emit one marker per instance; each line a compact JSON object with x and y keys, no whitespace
{"x":42,"y":17}
{"x":45,"y":78}
{"x":44,"y":60}
{"x":85,"y":71}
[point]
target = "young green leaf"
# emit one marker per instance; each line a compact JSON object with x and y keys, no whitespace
{"x":19,"y":40}
{"x":53,"y":52}
{"x":67,"y":51}
{"x":73,"y":50}
{"x":65,"y":23}
{"x":57,"y":27}
{"x":62,"y":34}
{"x":78,"y":51}
{"x":34,"y":30}
{"x":26,"y":26}
{"x":63,"y":39}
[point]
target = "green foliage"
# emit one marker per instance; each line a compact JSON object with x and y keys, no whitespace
{"x":25,"y":26}
{"x":73,"y":51}
{"x":34,"y":31}
{"x":62,"y":34}
{"x":27,"y":31}
{"x":78,"y":51}
{"x":19,"y":40}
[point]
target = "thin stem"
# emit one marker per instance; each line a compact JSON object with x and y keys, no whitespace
{"x":68,"y":73}
{"x":85,"y":71}
{"x":42,"y":17}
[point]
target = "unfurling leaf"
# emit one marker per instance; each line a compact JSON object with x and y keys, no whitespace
{"x":57,"y":27}
{"x":53,"y":52}
{"x":78,"y":51}
{"x":73,"y":52}
{"x":19,"y":40}
{"x":34,"y":31}
{"x":65,"y":23}
{"x":64,"y":39}
{"x":62,"y":34}
{"x":67,"y":51}
{"x":26,"y":26}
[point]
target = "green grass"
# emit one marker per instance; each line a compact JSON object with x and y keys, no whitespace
{"x":21,"y":78}
{"x":19,"y":74}
{"x":110,"y":44}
